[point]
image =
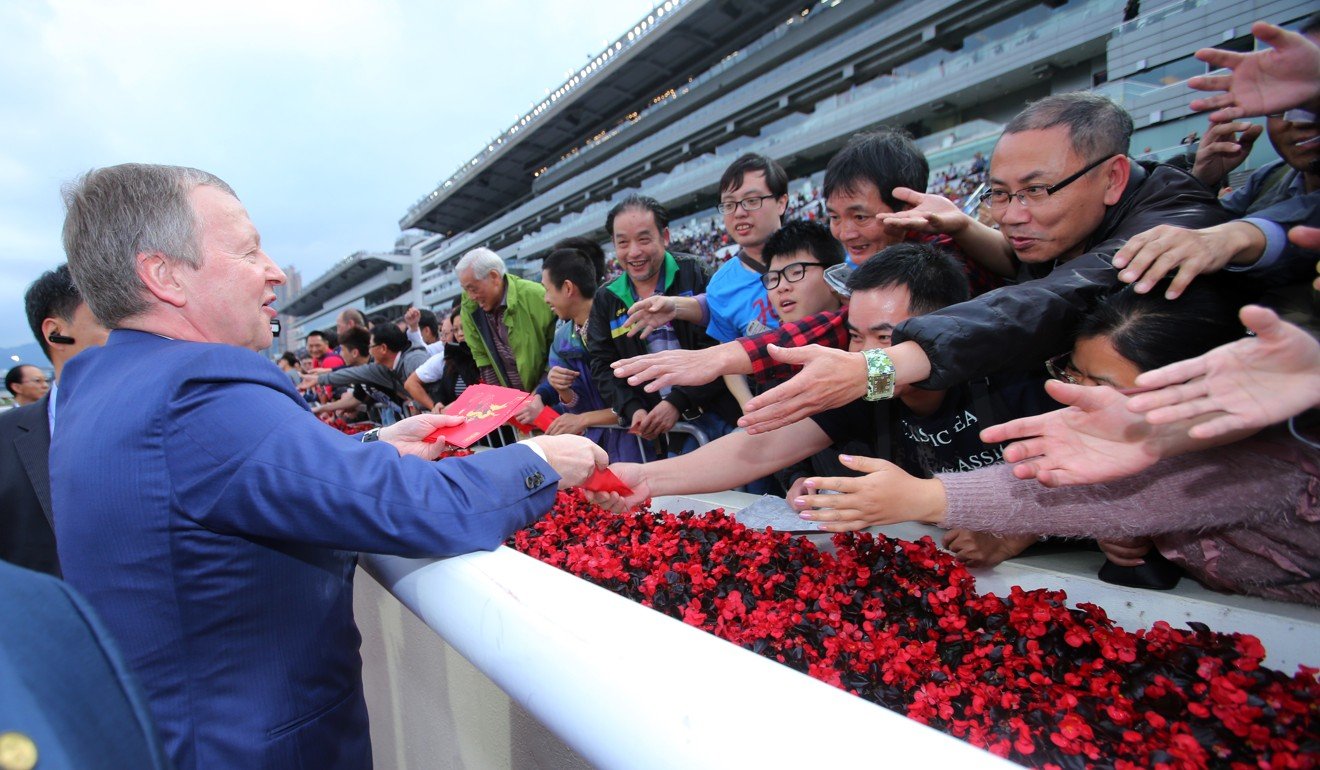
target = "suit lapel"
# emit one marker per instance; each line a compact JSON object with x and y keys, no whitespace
{"x":33,"y":444}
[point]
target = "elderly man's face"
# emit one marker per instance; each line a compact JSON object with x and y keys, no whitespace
{"x":1058,"y":226}
{"x":486,"y":290}
{"x":228,"y":299}
{"x":640,"y":245}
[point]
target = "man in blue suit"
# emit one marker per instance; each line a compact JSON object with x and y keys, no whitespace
{"x":211,"y":520}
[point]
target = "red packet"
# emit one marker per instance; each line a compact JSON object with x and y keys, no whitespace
{"x":604,"y":480}
{"x":485,"y":408}
{"x":541,"y":423}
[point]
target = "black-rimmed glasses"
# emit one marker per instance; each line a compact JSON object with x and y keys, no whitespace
{"x":1035,"y":193}
{"x":746,"y":204}
{"x":791,"y":273}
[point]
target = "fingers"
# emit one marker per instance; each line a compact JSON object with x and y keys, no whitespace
{"x":864,"y":464}
{"x":1025,"y":450}
{"x":1166,"y":378}
{"x":776,"y":416}
{"x":1021,"y":428}
{"x":1217,"y":426}
{"x":908,"y":195}
{"x":1084,"y":397}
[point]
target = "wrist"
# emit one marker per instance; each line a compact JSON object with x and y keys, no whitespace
{"x":1245,"y":243}
{"x":731,"y":358}
{"x":933,"y":501}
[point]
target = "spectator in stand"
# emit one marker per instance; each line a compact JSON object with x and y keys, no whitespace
{"x":393,"y":361}
{"x":506,"y":322}
{"x":217,"y":532}
{"x":27,"y":384}
{"x":569,"y":278}
{"x":1067,"y":197}
{"x":324,"y":359}
{"x":923,"y":431}
{"x":288,"y":363}
{"x":354,"y":400}
{"x":639,"y":227}
{"x":1276,"y":196}
{"x":423,"y":330}
{"x":63,"y":326}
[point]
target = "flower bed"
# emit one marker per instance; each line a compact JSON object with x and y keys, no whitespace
{"x":1024,"y":676}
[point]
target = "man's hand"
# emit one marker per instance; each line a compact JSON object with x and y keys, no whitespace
{"x":647,"y":315}
{"x":407,"y":435}
{"x":568,"y":425}
{"x":658,"y":420}
{"x":886,"y":495}
{"x":412,"y":317}
{"x":829,"y":378}
{"x":574,"y":458}
{"x":1222,"y":150}
{"x":1281,"y":77}
{"x":669,"y":368}
{"x":1150,"y":256}
{"x":634,"y":476}
{"x":1251,"y":383}
{"x":929,"y":214}
{"x":1094,"y":439}
{"x":308,"y":382}
{"x":530,"y":410}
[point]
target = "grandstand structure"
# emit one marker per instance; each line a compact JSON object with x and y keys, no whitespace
{"x":666,"y":107}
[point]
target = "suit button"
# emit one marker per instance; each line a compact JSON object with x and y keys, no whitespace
{"x":535,"y":480}
{"x":17,"y":752}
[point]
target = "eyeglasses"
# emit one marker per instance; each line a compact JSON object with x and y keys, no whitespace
{"x":1032,"y":194}
{"x":1061,"y":368}
{"x":747,"y":204}
{"x":791,"y":273}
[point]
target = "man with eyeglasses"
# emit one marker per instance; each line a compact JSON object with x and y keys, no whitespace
{"x":1067,"y":197}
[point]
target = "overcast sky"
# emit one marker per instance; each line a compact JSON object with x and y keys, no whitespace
{"x":328,"y":117}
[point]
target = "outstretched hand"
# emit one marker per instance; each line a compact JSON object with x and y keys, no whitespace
{"x":1094,"y":439}
{"x":1251,"y":383}
{"x":929,"y":213}
{"x":1278,"y":78}
{"x":829,"y":378}
{"x":633,"y":475}
{"x":647,"y":315}
{"x":885,"y":495}
{"x":670,"y":368}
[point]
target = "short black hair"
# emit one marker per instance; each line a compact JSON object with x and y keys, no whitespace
{"x":589,"y":247}
{"x":13,"y":377}
{"x":377,"y":319}
{"x":317,"y":333}
{"x":571,"y":265}
{"x":358,"y":339}
{"x":803,"y":235}
{"x":332,"y":336}
{"x":1151,"y":331}
{"x":638,"y":203}
{"x":1097,"y":127}
{"x":455,"y":313}
{"x":887,"y":158}
{"x":52,"y":295}
{"x":934,"y":280}
{"x":290,"y":359}
{"x":390,"y":336}
{"x":429,"y":321}
{"x":776,"y":179}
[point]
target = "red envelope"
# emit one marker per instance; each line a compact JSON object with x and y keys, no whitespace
{"x":604,"y":480}
{"x":485,"y":408}
{"x":541,"y":423}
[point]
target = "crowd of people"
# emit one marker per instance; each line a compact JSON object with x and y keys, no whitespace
{"x":1106,"y":351}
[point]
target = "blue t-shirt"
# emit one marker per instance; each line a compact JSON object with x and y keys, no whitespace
{"x":738,"y":303}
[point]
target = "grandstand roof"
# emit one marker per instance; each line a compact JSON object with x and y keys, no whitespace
{"x":348,"y":273}
{"x":697,"y":34}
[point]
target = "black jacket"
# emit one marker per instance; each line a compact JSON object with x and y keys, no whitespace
{"x":607,"y":343}
{"x":1018,"y":327}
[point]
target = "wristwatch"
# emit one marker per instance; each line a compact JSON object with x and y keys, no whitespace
{"x":371,"y":435}
{"x":879,"y":375}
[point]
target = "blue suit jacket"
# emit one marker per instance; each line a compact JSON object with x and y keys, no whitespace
{"x":214,"y":525}
{"x":63,"y":683}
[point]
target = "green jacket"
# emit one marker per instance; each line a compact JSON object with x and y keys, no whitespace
{"x":531,"y":325}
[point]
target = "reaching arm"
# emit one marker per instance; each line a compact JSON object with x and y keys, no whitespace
{"x":937,"y":214}
{"x":418,"y":392}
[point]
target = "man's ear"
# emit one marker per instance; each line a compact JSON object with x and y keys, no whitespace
{"x":1120,"y":170}
{"x":160,"y":275}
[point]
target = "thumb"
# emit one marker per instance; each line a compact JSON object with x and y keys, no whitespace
{"x":788,"y":355}
{"x":1261,"y":320}
{"x":1084,"y":397}
{"x":440,"y":420}
{"x":865,"y":464}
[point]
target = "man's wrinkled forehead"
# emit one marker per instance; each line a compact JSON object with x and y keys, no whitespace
{"x":1028,"y":156}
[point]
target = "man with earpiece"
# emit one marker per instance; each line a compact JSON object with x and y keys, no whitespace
{"x":63,"y":325}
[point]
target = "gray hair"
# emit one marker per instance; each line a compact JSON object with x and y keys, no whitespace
{"x":482,"y":261}
{"x":1097,"y":127}
{"x":113,"y":214}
